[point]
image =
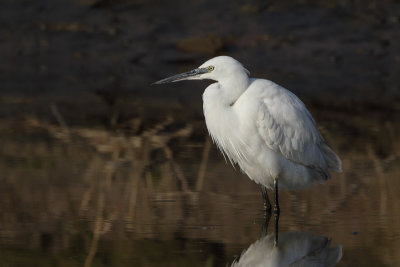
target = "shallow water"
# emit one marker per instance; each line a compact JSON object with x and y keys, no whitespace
{"x":92,"y":197}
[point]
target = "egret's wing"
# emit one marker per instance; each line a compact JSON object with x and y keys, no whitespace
{"x":287,"y":127}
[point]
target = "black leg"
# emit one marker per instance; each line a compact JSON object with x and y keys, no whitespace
{"x":267,"y":204}
{"x":264,"y":229}
{"x":276,"y":216}
{"x":276,"y":207}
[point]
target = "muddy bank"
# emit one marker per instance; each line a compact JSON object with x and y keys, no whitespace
{"x":96,"y":59}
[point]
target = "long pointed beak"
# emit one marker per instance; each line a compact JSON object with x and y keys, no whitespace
{"x":183,"y":76}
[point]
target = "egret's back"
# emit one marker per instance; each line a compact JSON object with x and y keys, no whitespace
{"x":287,"y":127}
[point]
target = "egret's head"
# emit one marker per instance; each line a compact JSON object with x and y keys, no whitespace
{"x":217,"y":69}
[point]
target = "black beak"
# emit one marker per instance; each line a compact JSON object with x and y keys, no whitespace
{"x":183,"y":76}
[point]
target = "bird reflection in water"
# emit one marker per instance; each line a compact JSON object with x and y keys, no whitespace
{"x":293,"y":249}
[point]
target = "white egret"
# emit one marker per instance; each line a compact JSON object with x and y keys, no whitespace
{"x":262,"y":127}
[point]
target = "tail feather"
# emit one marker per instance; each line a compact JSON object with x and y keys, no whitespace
{"x":333,"y":160}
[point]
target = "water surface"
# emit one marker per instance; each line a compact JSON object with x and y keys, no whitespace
{"x":165,"y":197}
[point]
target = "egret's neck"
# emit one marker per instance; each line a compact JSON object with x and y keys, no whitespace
{"x":221,"y":119}
{"x":233,"y":87}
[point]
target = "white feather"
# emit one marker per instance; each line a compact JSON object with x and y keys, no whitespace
{"x":261,"y":126}
{"x":265,"y":129}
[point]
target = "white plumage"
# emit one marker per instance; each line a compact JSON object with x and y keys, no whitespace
{"x":262,"y":127}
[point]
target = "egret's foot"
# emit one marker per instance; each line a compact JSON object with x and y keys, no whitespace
{"x":267,"y":213}
{"x":276,"y":216}
{"x":267,"y":208}
{"x":264,"y":229}
{"x":277,"y":210}
{"x":267,"y":204}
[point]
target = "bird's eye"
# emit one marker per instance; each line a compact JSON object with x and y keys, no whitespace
{"x":210,"y":68}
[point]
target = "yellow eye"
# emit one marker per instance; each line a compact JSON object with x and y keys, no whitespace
{"x":210,"y":68}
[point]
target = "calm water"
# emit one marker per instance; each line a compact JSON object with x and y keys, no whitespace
{"x":161,"y":194}
{"x":90,"y":197}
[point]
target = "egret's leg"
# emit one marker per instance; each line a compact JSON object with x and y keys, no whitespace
{"x":267,"y":204}
{"x":276,"y":207}
{"x":264,"y":229}
{"x":276,"y":216}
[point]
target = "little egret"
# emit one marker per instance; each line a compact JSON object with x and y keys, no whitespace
{"x":262,"y":127}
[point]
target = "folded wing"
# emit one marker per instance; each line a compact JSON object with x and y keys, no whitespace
{"x":287,"y":127}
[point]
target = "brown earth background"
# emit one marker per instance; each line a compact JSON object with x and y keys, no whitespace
{"x":98,"y":168}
